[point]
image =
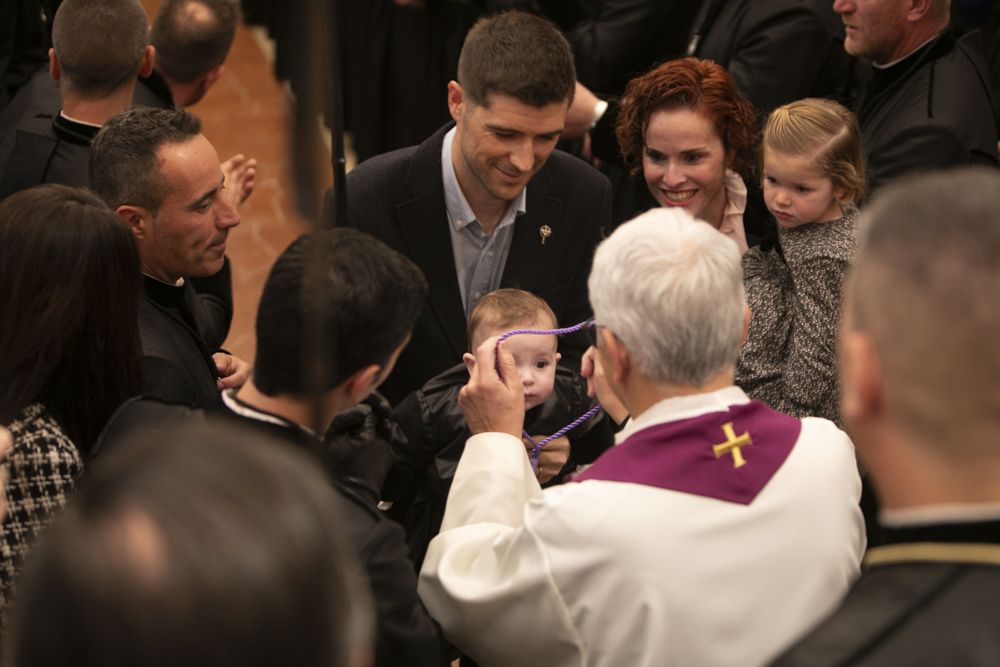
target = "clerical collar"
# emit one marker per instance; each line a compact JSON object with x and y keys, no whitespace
{"x":179,"y":283}
{"x":939,"y":514}
{"x":66,"y":116}
{"x":684,"y":407}
{"x":244,"y":409}
{"x":914,"y":51}
{"x":73,"y":130}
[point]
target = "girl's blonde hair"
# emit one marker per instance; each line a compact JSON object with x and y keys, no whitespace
{"x":826,"y":133}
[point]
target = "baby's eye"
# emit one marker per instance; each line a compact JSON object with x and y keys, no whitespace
{"x":541,"y":364}
{"x":803,"y":189}
{"x":770,"y":180}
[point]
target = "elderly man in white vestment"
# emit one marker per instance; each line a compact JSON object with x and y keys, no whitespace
{"x":715,"y":533}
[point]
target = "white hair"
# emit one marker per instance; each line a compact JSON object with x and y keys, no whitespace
{"x":670,"y":287}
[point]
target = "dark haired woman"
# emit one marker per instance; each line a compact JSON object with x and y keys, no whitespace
{"x":69,"y":347}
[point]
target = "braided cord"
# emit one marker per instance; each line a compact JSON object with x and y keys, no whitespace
{"x":537,"y":446}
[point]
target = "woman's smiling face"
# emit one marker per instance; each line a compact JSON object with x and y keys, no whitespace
{"x":684,"y":163}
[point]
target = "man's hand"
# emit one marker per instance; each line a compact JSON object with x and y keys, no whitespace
{"x":597,"y":385}
{"x":491,"y":402}
{"x":240,"y":173}
{"x":551,"y":458}
{"x":580,"y":116}
{"x":233,"y":371}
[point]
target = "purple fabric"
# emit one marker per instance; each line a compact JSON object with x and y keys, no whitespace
{"x":680,"y":455}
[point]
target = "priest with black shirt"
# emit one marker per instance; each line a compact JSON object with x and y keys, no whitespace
{"x":929,"y":104}
{"x":919,"y":379}
{"x":162,"y":177}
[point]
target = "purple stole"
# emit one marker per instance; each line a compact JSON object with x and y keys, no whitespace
{"x":729,"y":455}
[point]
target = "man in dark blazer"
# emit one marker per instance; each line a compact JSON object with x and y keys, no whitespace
{"x":929,"y":103}
{"x":487,"y":202}
{"x":919,"y":376}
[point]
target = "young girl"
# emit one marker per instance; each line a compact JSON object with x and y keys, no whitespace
{"x":813,"y":173}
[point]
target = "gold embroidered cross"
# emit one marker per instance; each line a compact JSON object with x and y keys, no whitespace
{"x":732,"y":445}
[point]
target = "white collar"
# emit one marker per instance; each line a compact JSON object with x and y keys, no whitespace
{"x":947,"y":513}
{"x":684,"y":407}
{"x":899,"y":60}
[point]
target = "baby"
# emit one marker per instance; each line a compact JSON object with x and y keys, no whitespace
{"x":435,"y":427}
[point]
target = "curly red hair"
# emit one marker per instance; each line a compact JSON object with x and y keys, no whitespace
{"x":688,"y":83}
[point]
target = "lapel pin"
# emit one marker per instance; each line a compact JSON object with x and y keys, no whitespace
{"x":545,"y":232}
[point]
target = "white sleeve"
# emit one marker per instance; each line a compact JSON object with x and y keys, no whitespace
{"x":486,"y":578}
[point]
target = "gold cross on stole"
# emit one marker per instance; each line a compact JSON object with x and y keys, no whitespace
{"x":732,"y":445}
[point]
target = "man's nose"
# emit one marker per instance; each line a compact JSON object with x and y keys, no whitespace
{"x":522,"y":156}
{"x":843,"y":6}
{"x":228,"y":215}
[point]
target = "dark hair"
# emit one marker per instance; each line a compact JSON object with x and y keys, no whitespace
{"x":508,"y":307}
{"x":201,"y":546}
{"x":368,"y":294}
{"x":124,"y":168}
{"x":519,"y":55}
{"x":697,"y":85}
{"x":193,"y":36}
{"x":69,"y":297}
{"x":99,"y":44}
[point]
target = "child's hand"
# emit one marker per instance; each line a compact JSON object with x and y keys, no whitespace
{"x":551,"y":458}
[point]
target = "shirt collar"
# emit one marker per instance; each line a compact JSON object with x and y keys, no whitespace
{"x":684,"y":407}
{"x":937,"y":514}
{"x":899,"y":60}
{"x":736,"y":194}
{"x":460,"y":213}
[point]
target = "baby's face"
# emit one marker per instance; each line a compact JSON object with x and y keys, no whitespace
{"x":536,"y":359}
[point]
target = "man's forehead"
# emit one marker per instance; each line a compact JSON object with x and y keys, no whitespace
{"x":511,"y":113}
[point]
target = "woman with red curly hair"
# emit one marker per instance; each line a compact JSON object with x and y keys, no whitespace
{"x":695,"y":139}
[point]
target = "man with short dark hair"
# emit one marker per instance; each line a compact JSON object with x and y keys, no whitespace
{"x":96,"y":78}
{"x":192,"y":39}
{"x":488,"y":202}
{"x":929,"y":104}
{"x":919,"y":373}
{"x":353,"y":300}
{"x":162,"y":177}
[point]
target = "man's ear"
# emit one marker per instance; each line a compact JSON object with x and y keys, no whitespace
{"x":918,"y":9}
{"x":54,"y":65}
{"x":862,"y":388}
{"x":138,"y":219}
{"x":456,"y":101}
{"x":611,"y":349}
{"x":148,"y":58}
{"x":362,"y":383}
{"x":213,"y":75}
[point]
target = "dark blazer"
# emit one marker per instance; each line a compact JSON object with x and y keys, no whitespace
{"x":916,"y":609}
{"x":776,"y":51}
{"x":936,"y":111}
{"x":399,"y":198}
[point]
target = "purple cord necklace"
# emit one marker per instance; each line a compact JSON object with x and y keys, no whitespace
{"x":537,"y":446}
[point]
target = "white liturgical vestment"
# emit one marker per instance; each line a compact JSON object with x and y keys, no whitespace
{"x":717,"y":532}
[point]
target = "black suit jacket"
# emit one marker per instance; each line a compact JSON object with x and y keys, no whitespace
{"x":937,"y":112}
{"x":399,"y":198}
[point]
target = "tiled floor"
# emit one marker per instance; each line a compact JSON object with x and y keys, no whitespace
{"x":246,"y":112}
